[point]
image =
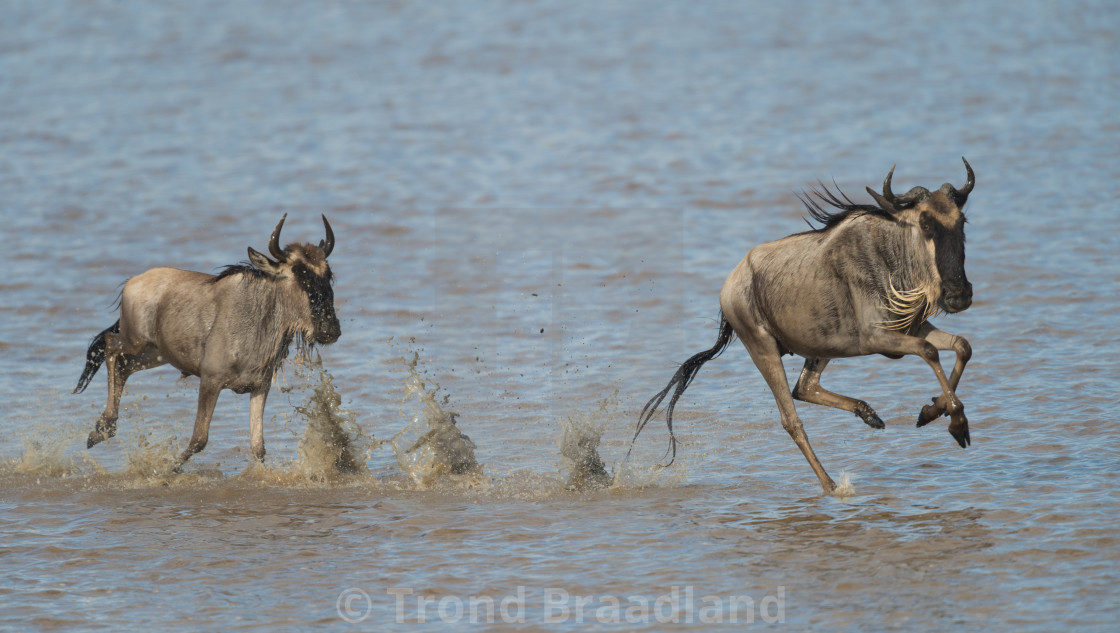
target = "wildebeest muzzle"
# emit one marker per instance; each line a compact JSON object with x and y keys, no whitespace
{"x":956,"y":296}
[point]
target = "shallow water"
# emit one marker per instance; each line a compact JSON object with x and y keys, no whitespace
{"x":542,"y":202}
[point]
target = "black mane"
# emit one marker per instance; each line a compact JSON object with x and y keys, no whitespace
{"x":817,"y":199}
{"x":237,"y":269}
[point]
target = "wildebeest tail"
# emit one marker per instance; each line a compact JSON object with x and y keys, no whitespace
{"x":680,"y":381}
{"x":95,"y":356}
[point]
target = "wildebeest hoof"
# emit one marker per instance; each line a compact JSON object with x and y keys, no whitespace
{"x":958,"y":428}
{"x":868,"y":415}
{"x":98,"y":436}
{"x":930,"y":412}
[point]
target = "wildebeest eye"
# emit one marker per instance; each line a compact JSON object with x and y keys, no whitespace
{"x":925,"y":224}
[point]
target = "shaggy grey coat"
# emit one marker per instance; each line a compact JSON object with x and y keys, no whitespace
{"x":865,"y":282}
{"x":232,"y":330}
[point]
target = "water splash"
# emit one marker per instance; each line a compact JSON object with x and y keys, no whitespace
{"x":583,"y":467}
{"x":46,"y":456}
{"x":48,"y":449}
{"x":147,"y":461}
{"x":431,"y":452}
{"x":844,"y":487}
{"x":333,"y":443}
{"x":431,"y":448}
{"x":579,"y":447}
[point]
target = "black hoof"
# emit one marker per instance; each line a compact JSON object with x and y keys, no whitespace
{"x":929,"y":413}
{"x":869,"y":417}
{"x":98,"y":436}
{"x":958,"y":428}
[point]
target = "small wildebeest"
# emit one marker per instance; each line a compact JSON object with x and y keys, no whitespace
{"x":232,"y":330}
{"x":864,"y":282}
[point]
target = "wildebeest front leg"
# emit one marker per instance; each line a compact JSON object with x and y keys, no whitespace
{"x":764,"y":352}
{"x":945,"y":341}
{"x":207,"y":398}
{"x":256,"y":422}
{"x":808,"y":389}
{"x":896,"y":344}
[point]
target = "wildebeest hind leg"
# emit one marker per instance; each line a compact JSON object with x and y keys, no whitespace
{"x":119,"y":366}
{"x":764,"y":352}
{"x":808,"y":389}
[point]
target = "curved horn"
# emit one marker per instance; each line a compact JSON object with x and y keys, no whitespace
{"x":887,"y":193}
{"x":970,"y":183}
{"x":328,"y":244}
{"x":274,"y":241}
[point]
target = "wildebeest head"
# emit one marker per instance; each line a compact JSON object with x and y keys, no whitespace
{"x":938,"y":217}
{"x":305,"y":267}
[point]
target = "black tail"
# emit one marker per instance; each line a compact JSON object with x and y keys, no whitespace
{"x":682,"y":379}
{"x":95,"y":356}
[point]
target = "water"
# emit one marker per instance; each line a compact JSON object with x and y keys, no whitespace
{"x":432,"y":448}
{"x":542,"y":201}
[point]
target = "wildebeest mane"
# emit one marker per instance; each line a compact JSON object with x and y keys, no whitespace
{"x":237,"y":269}
{"x":820,"y":202}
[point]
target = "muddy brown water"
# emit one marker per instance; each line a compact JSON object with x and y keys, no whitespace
{"x":536,"y":205}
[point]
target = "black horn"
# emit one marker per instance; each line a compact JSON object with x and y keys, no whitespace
{"x":887,"y":193}
{"x":328,"y":244}
{"x":887,"y":199}
{"x":274,"y":241}
{"x":968,"y":184}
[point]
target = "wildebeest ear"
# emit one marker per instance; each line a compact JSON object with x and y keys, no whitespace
{"x":883,"y":202}
{"x":261,"y":262}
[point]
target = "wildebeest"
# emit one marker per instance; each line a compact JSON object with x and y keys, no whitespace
{"x":232,"y":330}
{"x":864,"y":282}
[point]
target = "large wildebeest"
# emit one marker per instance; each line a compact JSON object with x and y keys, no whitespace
{"x":232,"y":330}
{"x":865,"y":282}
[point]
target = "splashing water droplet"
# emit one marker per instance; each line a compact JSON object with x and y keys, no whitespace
{"x":333,"y":443}
{"x":432,"y":449}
